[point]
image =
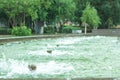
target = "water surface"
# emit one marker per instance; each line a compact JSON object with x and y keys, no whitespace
{"x":76,"y":57}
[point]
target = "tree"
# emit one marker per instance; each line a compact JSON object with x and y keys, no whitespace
{"x":105,"y":11}
{"x":9,"y":9}
{"x":116,"y":12}
{"x":17,"y":11}
{"x":90,"y":17}
{"x":61,"y":9}
{"x":80,"y":5}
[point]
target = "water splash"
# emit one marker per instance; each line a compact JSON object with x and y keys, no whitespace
{"x":101,"y":57}
{"x":17,"y":68}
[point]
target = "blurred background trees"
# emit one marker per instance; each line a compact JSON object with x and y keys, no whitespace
{"x":35,"y":13}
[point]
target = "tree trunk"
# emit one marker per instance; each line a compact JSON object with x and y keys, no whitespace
{"x":14,"y":21}
{"x":24,"y":18}
{"x":10,"y":23}
{"x":20,"y":20}
{"x":85,"y":29}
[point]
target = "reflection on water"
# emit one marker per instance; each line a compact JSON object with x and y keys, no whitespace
{"x":96,"y":56}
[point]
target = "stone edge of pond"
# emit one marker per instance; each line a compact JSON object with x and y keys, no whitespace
{"x":60,"y":79}
{"x":7,"y":39}
{"x":23,"y":38}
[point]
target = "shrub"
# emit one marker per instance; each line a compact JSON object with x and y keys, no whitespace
{"x":5,"y":30}
{"x":68,"y":29}
{"x":0,"y":29}
{"x":9,"y":30}
{"x":49,"y":30}
{"x":21,"y":31}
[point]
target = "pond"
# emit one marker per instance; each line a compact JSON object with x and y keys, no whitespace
{"x":70,"y":57}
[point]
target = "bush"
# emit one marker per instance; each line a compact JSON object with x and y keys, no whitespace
{"x":5,"y":30}
{"x":49,"y":30}
{"x":21,"y":31}
{"x":0,"y":29}
{"x":9,"y":30}
{"x":68,"y":29}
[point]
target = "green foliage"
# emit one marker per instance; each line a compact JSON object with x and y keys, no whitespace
{"x":21,"y":31}
{"x":106,"y":9}
{"x":0,"y":29}
{"x":27,"y":11}
{"x":9,"y":30}
{"x":68,"y":29}
{"x":80,"y":4}
{"x":18,"y":10}
{"x":90,"y":16}
{"x":43,"y":12}
{"x":5,"y":30}
{"x":49,"y":30}
{"x":116,"y":12}
{"x":61,"y":9}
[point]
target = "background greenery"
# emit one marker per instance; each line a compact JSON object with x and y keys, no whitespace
{"x":21,"y":31}
{"x":33,"y":13}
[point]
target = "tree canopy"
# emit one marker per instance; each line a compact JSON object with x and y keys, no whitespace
{"x":108,"y":11}
{"x":24,"y":12}
{"x":90,"y":16}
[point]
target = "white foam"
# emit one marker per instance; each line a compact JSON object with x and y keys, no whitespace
{"x":53,"y":68}
{"x":73,"y":40}
{"x":14,"y":67}
{"x":44,"y":52}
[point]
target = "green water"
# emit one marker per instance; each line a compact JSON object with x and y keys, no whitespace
{"x":75,"y":57}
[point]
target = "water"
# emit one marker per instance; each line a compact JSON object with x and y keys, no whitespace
{"x":71,"y":57}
